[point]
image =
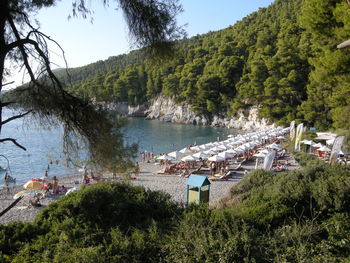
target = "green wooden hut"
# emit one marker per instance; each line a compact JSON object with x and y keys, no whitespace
{"x":197,"y":189}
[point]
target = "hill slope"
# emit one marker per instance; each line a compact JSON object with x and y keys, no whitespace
{"x":271,"y":58}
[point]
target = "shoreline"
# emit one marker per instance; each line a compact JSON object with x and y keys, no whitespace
{"x":148,"y":178}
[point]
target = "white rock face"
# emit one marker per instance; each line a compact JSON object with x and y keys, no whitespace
{"x":165,"y":109}
{"x":125,"y":109}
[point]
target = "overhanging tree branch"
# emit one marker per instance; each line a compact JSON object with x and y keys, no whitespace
{"x":15,"y":117}
{"x":13,"y":141}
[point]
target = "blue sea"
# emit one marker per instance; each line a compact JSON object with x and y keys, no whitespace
{"x":44,"y":147}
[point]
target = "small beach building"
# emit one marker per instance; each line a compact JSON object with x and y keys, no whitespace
{"x":197,"y":189}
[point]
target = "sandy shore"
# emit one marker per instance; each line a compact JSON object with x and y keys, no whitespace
{"x":148,"y":177}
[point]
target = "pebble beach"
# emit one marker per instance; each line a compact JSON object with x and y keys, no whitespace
{"x":148,"y":178}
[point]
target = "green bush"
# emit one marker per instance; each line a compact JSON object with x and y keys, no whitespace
{"x":299,"y":216}
{"x":206,"y":235}
{"x":306,"y":159}
{"x":118,"y":221}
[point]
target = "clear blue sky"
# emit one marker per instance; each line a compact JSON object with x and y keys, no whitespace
{"x":85,"y":42}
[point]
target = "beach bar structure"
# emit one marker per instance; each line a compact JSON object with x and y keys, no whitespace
{"x":197,"y":189}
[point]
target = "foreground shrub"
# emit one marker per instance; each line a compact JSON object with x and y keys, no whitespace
{"x":212,"y":236}
{"x":105,"y":222}
{"x":300,"y":216}
{"x":316,"y":190}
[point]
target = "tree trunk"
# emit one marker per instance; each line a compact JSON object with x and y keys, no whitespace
{"x":3,"y":15}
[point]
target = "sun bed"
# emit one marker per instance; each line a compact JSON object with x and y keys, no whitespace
{"x":237,"y":168}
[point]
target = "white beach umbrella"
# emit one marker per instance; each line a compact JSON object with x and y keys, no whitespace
{"x":258,"y":142}
{"x":317,"y":145}
{"x":216,"y":143}
{"x":189,"y":158}
{"x":223,"y":147}
{"x":324,"y":149}
{"x":231,"y":151}
{"x":230,"y":146}
{"x":226,"y":155}
{"x":203,"y":147}
{"x":274,"y":146}
{"x":308,"y":142}
{"x":238,"y":150}
{"x":239,"y":141}
{"x":210,"y":152}
{"x":176,"y":154}
{"x":165,"y":157}
{"x":251,"y":144}
{"x":343,"y":152}
{"x":195,"y":149}
{"x":236,"y":142}
{"x":217,"y":149}
{"x":200,"y":155}
{"x":72,"y":190}
{"x":260,"y":155}
{"x":330,"y":141}
{"x":185,"y":151}
{"x":209,"y":145}
{"x":265,"y":151}
{"x":242,"y":147}
{"x":216,"y":158}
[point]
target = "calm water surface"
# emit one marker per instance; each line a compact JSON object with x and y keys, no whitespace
{"x":45,"y":146}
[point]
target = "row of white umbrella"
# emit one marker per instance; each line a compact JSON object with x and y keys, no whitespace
{"x":219,"y":151}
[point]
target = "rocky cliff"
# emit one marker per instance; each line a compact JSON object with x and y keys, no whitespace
{"x":165,"y":109}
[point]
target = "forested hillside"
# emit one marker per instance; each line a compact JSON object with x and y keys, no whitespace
{"x":283,"y":58}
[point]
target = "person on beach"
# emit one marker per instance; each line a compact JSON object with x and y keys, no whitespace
{"x":47,"y":192}
{"x":46,"y":177}
{"x":137,"y":168}
{"x":54,"y":185}
{"x":212,"y":169}
{"x":7,"y":177}
{"x":63,"y":189}
{"x":185,"y":173}
{"x":85,"y":178}
{"x":143,"y":157}
{"x":7,"y":187}
{"x":35,"y":202}
{"x":93,"y":177}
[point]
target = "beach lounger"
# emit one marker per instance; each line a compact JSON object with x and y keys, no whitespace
{"x":225,"y":177}
{"x":237,"y":168}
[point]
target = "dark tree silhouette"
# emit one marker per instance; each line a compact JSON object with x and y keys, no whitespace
{"x":151,"y":23}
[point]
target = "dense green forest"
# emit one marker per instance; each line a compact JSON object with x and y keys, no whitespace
{"x":300,"y":216}
{"x":283,"y":58}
